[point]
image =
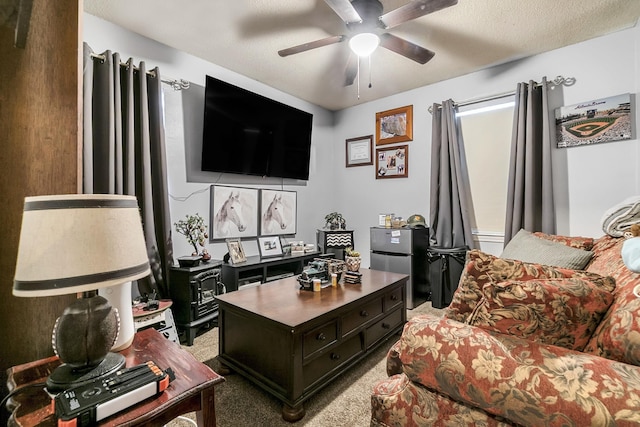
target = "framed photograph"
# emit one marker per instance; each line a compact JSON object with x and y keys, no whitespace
{"x":394,"y":125}
{"x":236,"y":252}
{"x":278,"y":210}
{"x":359,"y":151}
{"x":233,"y":213}
{"x":269,"y":246}
{"x":392,"y":162}
{"x":592,"y":122}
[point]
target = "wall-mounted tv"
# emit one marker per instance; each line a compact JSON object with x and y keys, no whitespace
{"x":246,"y":133}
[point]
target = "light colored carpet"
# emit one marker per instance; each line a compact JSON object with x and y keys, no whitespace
{"x":345,"y":402}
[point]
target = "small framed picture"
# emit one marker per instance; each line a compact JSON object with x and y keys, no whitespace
{"x":236,"y":252}
{"x":269,"y":246}
{"x":359,"y":151}
{"x":394,"y":125}
{"x":392,"y":162}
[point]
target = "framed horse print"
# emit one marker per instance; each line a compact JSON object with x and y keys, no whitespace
{"x":278,"y":210}
{"x":233,"y":213}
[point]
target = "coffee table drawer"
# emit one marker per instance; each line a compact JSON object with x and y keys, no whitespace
{"x":382,"y":328}
{"x":358,"y":317}
{"x":393,"y":299}
{"x":332,"y":360}
{"x":319,"y":338}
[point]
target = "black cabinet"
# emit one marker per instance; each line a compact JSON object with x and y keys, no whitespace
{"x":193,"y":291}
{"x":256,"y":270}
{"x":334,"y":241}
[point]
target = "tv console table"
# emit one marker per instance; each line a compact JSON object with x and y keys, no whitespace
{"x":292,"y":343}
{"x":257,"y":270}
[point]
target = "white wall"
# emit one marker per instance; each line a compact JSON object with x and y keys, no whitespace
{"x":589,"y":179}
{"x":190,"y":196}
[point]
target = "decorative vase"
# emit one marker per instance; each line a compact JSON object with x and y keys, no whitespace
{"x":353,"y":263}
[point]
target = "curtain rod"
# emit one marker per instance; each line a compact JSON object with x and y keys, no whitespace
{"x":175,"y":84}
{"x":558,"y":81}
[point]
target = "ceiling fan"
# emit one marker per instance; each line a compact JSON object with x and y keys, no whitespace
{"x":364,"y":20}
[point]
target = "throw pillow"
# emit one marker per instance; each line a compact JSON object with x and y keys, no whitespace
{"x":585,"y":243}
{"x":562,"y":312}
{"x":524,"y":246}
{"x":482,"y":268}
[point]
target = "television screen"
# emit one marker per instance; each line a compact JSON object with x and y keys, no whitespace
{"x":247,"y":133}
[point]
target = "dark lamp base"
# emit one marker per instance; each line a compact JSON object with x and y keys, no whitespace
{"x":65,"y":376}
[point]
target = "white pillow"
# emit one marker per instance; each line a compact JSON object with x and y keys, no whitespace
{"x":631,"y":254}
{"x":524,"y":246}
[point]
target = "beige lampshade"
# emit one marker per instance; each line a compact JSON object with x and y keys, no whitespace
{"x":77,"y":243}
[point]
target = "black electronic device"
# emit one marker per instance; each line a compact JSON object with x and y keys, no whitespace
{"x":90,"y":403}
{"x":250,"y":134}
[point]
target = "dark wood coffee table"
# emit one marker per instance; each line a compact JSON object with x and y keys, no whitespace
{"x":292,"y":343}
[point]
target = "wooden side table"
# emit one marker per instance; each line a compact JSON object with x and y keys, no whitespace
{"x":192,"y":390}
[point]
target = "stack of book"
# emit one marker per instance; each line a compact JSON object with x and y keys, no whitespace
{"x":352,"y":277}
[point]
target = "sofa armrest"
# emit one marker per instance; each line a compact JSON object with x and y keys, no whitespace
{"x":522,"y":381}
{"x":394,"y":365}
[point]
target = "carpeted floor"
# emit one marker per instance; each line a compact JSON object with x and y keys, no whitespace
{"x":345,"y":402}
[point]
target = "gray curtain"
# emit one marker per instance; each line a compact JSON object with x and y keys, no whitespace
{"x":530,"y":187}
{"x":124,"y":149}
{"x":451,"y":209}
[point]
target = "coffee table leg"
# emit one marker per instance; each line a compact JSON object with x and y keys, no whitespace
{"x":224,"y":369}
{"x":292,"y":413}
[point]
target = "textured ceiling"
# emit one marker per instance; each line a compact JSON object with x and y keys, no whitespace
{"x":245,"y":35}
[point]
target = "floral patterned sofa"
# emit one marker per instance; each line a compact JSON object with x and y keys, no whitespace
{"x":522,"y":344}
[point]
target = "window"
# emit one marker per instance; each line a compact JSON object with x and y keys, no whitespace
{"x":487,"y":139}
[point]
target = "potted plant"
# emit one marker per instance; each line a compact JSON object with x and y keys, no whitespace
{"x":194,"y":229}
{"x":335,"y":221}
{"x":352,"y":259}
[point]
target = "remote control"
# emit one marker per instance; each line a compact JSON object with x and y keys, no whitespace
{"x":89,"y":403}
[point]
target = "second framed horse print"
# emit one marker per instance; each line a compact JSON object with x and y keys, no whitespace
{"x":278,"y":212}
{"x":234,"y":213}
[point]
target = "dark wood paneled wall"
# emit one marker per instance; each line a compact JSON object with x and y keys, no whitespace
{"x":40,"y":88}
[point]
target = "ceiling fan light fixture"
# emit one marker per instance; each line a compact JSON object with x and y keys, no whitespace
{"x":364,"y":44}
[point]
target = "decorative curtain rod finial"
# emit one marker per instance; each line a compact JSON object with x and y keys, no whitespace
{"x":176,"y":84}
{"x":560,"y":80}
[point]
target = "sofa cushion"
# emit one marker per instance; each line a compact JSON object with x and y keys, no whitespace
{"x":562,"y":312}
{"x":524,"y":246}
{"x":482,"y":268}
{"x":617,"y":336}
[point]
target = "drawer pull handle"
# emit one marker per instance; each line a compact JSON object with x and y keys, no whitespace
{"x":335,"y":356}
{"x":394,"y":297}
{"x":364,"y":313}
{"x":386,"y":326}
{"x":321,"y":337}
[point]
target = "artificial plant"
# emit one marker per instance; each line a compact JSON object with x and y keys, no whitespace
{"x":194,"y":229}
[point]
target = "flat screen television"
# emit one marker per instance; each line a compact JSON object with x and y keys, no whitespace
{"x":246,"y":133}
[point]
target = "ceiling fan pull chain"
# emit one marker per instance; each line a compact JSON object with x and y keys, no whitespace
{"x":358,"y":77}
{"x":369,"y":71}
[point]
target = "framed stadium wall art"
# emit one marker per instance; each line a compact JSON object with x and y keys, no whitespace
{"x":592,"y":122}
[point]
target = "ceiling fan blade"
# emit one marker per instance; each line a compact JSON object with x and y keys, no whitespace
{"x":351,"y":70}
{"x":311,"y":45}
{"x":406,"y":48}
{"x":413,"y":10}
{"x":345,"y":10}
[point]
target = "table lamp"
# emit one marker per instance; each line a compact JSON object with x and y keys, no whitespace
{"x":80,"y":243}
